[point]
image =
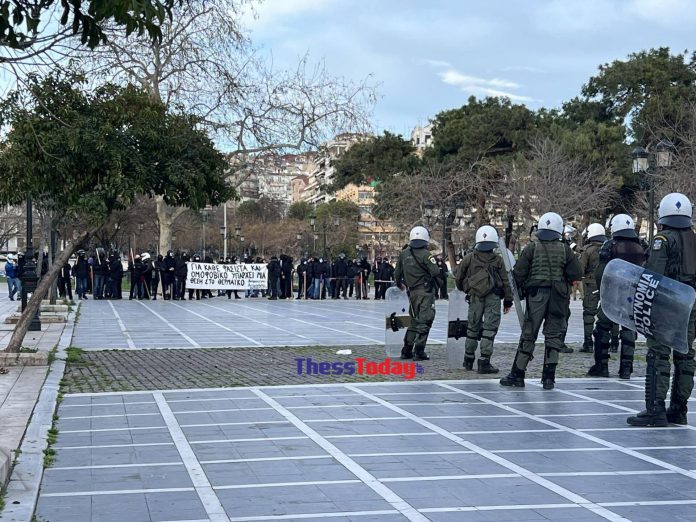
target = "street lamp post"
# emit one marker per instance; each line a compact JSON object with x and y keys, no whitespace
{"x":29,"y":276}
{"x":644,"y":162}
{"x":204,"y":217}
{"x":443,"y":213}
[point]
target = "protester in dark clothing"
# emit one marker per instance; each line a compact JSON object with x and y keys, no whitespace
{"x":340,"y":277}
{"x":81,"y":273}
{"x":180,"y":276}
{"x":136,"y":269}
{"x":169,"y":289}
{"x":157,"y":276}
{"x":385,"y":274}
{"x":285,"y":277}
{"x":65,"y":282}
{"x":274,"y":272}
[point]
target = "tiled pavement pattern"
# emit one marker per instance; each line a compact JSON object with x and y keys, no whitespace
{"x":127,"y":370}
{"x":368,"y":452}
{"x":220,"y":322}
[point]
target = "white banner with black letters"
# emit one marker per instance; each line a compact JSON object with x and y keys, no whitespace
{"x":227,"y":277}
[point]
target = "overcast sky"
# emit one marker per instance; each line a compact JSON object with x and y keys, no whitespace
{"x":431,"y":55}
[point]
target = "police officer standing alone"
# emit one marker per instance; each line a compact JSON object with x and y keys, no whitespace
{"x":544,"y":273}
{"x":673,"y":254}
{"x":624,"y":244}
{"x":589,"y":259}
{"x":416,"y":270}
{"x":481,"y":274}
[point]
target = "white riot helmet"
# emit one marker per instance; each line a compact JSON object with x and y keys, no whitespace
{"x":622,"y":225}
{"x":569,"y":231}
{"x":550,"y":227}
{"x":419,"y":237}
{"x":145,"y":256}
{"x":486,"y":238}
{"x":675,"y":211}
{"x":596,"y":232}
{"x":11,"y":257}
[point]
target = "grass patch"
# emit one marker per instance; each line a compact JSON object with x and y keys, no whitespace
{"x":74,"y":357}
{"x":26,"y":349}
{"x":52,"y":435}
{"x":49,"y":457}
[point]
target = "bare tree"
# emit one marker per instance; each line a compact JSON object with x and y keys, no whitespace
{"x":680,"y":176}
{"x":549,"y":179}
{"x":206,"y":64}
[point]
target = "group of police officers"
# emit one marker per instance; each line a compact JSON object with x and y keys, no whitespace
{"x":544,"y":275}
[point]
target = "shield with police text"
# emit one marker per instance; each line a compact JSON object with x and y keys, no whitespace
{"x":457,"y":313}
{"x":397,"y":320}
{"x":648,"y":303}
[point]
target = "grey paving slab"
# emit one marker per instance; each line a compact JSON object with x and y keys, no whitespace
{"x":255,"y":322}
{"x":429,"y":449}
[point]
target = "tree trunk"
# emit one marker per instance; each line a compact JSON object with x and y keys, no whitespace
{"x":34,"y":302}
{"x":166,"y":216}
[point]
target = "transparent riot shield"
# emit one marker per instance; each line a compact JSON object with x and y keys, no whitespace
{"x":397,"y":320}
{"x":457,"y":313}
{"x":648,"y":303}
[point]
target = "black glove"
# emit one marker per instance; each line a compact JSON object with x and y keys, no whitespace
{"x":507,"y":304}
{"x":468,"y":298}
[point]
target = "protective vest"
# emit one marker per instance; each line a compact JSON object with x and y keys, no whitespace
{"x":419,"y":268}
{"x":629,"y":250}
{"x":548,"y":263}
{"x":682,"y":255}
{"x":591,"y":251}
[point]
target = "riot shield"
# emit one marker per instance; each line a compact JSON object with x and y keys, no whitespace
{"x":397,"y":319}
{"x":457,"y":313}
{"x":648,"y":303}
{"x":509,"y":262}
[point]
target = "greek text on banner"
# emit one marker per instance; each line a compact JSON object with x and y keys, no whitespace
{"x":227,"y":277}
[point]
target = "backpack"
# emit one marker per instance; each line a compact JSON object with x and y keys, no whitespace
{"x":482,"y":278}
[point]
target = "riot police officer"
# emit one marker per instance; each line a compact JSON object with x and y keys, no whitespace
{"x":589,"y":259}
{"x":625,"y":245}
{"x":544,"y":273}
{"x":416,"y":271}
{"x":482,"y":276}
{"x":673,"y":254}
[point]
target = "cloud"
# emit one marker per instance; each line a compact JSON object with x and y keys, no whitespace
{"x":523,"y":68}
{"x":487,"y":87}
{"x":562,"y":16}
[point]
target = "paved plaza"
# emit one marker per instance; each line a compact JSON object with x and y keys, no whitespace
{"x":368,"y":452}
{"x":220,"y":322}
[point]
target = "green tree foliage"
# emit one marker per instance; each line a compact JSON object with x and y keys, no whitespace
{"x":481,"y":128}
{"x":374,"y":160}
{"x":87,"y":154}
{"x":300,"y":210}
{"x":646,"y":88}
{"x":20,"y":19}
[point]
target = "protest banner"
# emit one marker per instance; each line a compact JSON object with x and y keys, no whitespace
{"x":226,"y":277}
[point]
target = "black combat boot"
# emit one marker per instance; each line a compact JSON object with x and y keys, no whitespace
{"x":676,"y":413}
{"x":587,"y":347}
{"x":654,"y":416}
{"x":566,"y":349}
{"x":601,"y":356}
{"x":485,"y":367}
{"x":514,"y":379}
{"x":654,"y":413}
{"x":469,"y":362}
{"x":625,"y":369}
{"x":420,"y":354}
{"x":548,"y":376}
{"x":407,"y":351}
